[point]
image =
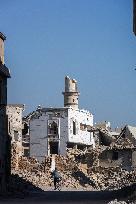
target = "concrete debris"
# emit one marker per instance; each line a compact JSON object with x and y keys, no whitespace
{"x":79,"y":170}
{"x":16,"y":148}
{"x":122,"y":144}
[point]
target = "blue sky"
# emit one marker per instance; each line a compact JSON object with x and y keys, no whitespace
{"x":89,"y":40}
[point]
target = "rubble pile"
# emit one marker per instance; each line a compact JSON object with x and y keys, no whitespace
{"x":16,"y":150}
{"x":40,"y":175}
{"x":79,"y":169}
{"x":30,"y":170}
{"x":13,"y":156}
{"x":101,"y":178}
{"x":121,"y":144}
{"x":112,"y":178}
{"x":85,"y":168}
{"x":72,"y":170}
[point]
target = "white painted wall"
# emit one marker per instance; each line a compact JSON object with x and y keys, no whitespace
{"x":82,"y":136}
{"x":39,"y":130}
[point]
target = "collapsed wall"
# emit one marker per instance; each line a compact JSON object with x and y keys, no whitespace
{"x":79,"y":170}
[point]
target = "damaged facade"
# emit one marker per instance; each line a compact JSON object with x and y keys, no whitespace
{"x":26,"y":137}
{"x":90,"y":157}
{"x":14,"y":116}
{"x":121,"y":151}
{"x":52,"y":130}
{"x":123,"y":157}
{"x":128,"y":132}
{"x":115,"y":149}
{"x":4,"y":137}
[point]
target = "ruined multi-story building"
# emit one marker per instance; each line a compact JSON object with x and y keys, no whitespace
{"x":4,"y":137}
{"x":128,"y":132}
{"x":119,"y":154}
{"x":52,"y":130}
{"x":121,"y":150}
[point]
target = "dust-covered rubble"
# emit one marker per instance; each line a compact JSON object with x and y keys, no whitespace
{"x":79,"y":170}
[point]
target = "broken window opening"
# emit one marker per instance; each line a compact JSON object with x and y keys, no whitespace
{"x":53,"y":128}
{"x":74,"y":128}
{"x":26,"y":138}
{"x":25,"y":129}
{"x":82,"y":127}
{"x":115,"y":155}
{"x":16,"y":135}
{"x":26,"y":152}
{"x":54,"y":147}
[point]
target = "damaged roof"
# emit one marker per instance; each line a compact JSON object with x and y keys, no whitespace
{"x":132,"y":130}
{"x":16,"y":105}
{"x":4,"y":71}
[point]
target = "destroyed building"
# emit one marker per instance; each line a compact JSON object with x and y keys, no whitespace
{"x":103,"y":135}
{"x":59,"y":137}
{"x":128,"y":132}
{"x":52,"y":130}
{"x":4,"y":137}
{"x":105,"y":125}
{"x":118,"y":156}
{"x":106,"y":133}
{"x":121,"y":151}
{"x":14,"y":115}
{"x":115,"y":148}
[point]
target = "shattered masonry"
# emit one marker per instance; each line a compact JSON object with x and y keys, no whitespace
{"x":106,"y":161}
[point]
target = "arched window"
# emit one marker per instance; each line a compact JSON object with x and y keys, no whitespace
{"x":53,"y":128}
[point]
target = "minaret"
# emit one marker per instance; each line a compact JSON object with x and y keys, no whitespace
{"x":71,"y":93}
{"x":2,"y":38}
